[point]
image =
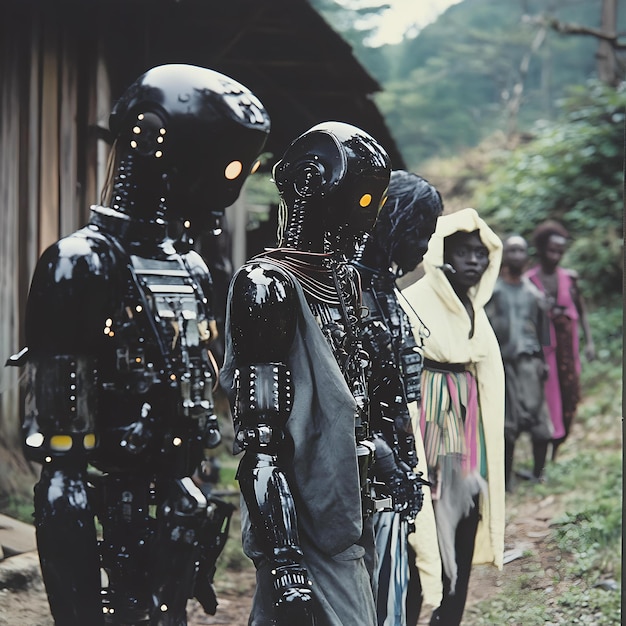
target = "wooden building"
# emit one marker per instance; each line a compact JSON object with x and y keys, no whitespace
{"x":64,"y":62}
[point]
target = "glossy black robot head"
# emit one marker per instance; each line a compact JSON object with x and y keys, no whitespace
{"x":190,"y":133}
{"x":406,"y":222}
{"x":332,"y":181}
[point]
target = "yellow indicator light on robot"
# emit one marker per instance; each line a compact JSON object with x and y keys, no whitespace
{"x":158,"y":154}
{"x":133,"y":144}
{"x":233,"y":169}
{"x":172,"y":376}
{"x":177,"y":441}
{"x":162,"y":131}
{"x":136,"y":130}
{"x":366,"y":200}
{"x":35,"y":440}
{"x":140,"y":116}
{"x":109,"y":322}
{"x":255,"y":167}
{"x":61,"y":443}
{"x":139,"y":308}
{"x":160,"y":139}
{"x":89,"y":441}
{"x":187,"y":224}
{"x":137,"y":359}
{"x":163,"y":608}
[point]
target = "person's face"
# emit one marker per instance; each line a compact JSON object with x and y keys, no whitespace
{"x":412,"y":246}
{"x":515,"y":254}
{"x":553,"y":252}
{"x":468,"y":256}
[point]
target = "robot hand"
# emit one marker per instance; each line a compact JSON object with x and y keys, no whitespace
{"x":293,"y":596}
{"x":406,"y":493}
{"x":136,"y":437}
{"x":212,"y":435}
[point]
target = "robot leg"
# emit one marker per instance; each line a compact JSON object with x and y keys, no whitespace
{"x":68,"y":547}
{"x":126,"y":512}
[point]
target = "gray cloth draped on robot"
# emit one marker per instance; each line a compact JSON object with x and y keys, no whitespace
{"x":296,"y":373}
{"x":119,"y":322}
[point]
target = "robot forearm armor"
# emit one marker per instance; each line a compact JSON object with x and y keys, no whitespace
{"x":263,"y":403}
{"x":61,"y":406}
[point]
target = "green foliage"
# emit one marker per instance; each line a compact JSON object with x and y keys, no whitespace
{"x":18,"y":506}
{"x":572,"y":170}
{"x":593,"y":532}
{"x":464,"y":68}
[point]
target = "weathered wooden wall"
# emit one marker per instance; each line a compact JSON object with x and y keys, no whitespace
{"x":48,"y":96}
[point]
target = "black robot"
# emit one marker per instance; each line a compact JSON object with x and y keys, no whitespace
{"x":297,"y":374}
{"x":119,"y":408}
{"x":394,"y":247}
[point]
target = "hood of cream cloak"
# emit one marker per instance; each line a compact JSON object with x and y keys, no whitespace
{"x":466,"y":220}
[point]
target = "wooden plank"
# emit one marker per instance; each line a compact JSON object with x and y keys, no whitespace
{"x":68,"y":209}
{"x":16,"y":537}
{"x":49,"y":149}
{"x":9,"y":192}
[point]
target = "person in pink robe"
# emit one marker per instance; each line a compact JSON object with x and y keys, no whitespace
{"x":566,"y":312}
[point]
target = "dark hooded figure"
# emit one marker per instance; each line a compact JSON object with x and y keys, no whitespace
{"x":394,"y":247}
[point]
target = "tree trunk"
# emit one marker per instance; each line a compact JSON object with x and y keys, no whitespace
{"x":607,"y":62}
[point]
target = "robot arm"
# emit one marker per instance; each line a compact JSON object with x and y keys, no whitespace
{"x":67,"y":310}
{"x":66,"y":313}
{"x":395,"y":457}
{"x":264,"y":312}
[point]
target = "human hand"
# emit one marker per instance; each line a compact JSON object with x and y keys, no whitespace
{"x":590,"y":351}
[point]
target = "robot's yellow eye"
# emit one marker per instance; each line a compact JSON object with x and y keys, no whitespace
{"x":61,"y":443}
{"x":255,"y":167}
{"x":366,"y":200}
{"x":233,"y":169}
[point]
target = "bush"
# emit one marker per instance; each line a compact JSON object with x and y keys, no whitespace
{"x":572,"y":171}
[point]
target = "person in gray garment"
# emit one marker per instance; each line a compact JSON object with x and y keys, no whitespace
{"x":517,"y":313}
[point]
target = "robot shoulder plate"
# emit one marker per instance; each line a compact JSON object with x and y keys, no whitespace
{"x":76,"y":284}
{"x":264,"y":312}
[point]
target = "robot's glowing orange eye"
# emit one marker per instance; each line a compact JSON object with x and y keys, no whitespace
{"x":255,"y":167}
{"x":366,"y":200}
{"x":233,"y":169}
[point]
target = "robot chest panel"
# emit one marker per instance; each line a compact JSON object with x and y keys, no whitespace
{"x":175,"y":301}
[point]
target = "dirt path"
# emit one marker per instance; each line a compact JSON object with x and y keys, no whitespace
{"x":528,"y":553}
{"x":526,"y":531}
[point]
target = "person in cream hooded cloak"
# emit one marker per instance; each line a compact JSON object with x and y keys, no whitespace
{"x":461,"y":415}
